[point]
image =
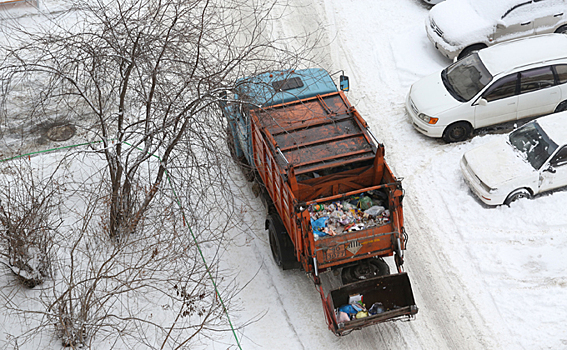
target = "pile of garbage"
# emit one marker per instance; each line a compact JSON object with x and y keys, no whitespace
{"x":353,"y":214}
{"x":356,"y":309}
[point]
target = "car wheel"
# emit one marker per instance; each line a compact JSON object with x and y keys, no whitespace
{"x":517,"y":194}
{"x":457,"y":132}
{"x":468,"y":50}
{"x":562,"y":29}
{"x":561,"y":107}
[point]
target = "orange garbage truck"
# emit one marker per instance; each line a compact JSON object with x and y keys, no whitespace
{"x":334,"y":207}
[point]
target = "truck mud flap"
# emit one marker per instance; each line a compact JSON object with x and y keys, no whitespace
{"x":393,"y":291}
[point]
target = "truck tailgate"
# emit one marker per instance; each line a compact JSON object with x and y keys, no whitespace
{"x":393,"y":291}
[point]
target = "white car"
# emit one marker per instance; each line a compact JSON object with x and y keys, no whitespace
{"x":503,"y":83}
{"x":459,"y":27}
{"x":530,"y":160}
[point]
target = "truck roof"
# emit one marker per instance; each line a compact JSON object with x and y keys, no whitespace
{"x":316,"y":134}
{"x":284,"y":86}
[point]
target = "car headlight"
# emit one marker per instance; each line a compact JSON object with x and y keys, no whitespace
{"x":427,"y":119}
{"x":487,"y":188}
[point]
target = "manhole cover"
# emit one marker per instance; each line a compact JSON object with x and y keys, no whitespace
{"x":61,"y":132}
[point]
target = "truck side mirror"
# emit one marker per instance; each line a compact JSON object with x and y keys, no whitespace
{"x":344,"y":83}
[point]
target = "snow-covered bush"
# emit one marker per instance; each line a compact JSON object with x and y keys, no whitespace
{"x":27,"y":222}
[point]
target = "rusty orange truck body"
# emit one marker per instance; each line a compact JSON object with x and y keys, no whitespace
{"x":317,"y":152}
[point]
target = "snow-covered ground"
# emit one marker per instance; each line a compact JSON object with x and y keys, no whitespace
{"x":483,"y":278}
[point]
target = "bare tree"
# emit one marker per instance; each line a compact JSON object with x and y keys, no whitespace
{"x":148,"y":73}
{"x":143,"y":77}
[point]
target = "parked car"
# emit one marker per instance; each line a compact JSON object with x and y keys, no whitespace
{"x":459,"y":27}
{"x":530,"y":160}
{"x":506,"y":82}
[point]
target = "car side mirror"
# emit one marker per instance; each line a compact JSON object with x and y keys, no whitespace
{"x":500,"y":25}
{"x":344,"y":83}
{"x":482,"y":102}
{"x":550,"y":169}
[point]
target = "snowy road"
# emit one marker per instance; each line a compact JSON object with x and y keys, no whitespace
{"x":483,"y":278}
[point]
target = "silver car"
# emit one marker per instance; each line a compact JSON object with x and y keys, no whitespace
{"x":459,"y":27}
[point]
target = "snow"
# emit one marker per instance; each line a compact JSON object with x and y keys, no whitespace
{"x":483,"y":278}
{"x":555,"y":127}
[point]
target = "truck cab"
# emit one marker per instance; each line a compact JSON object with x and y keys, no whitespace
{"x":270,"y":89}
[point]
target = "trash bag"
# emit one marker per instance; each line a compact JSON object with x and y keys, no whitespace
{"x":348,"y":309}
{"x":365,"y":202}
{"x":342,"y":317}
{"x":347,"y":206}
{"x":375,"y":210}
{"x":376,"y":308}
{"x":319,"y":225}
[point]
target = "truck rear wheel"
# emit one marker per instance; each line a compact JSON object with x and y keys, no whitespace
{"x":281,"y":245}
{"x":365,"y":269}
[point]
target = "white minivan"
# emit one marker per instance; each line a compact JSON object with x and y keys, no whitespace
{"x":502,"y":83}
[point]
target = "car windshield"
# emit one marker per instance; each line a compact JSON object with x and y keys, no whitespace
{"x":534,"y":144}
{"x":465,"y":78}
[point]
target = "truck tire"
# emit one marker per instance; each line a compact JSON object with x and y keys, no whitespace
{"x":365,"y":269}
{"x":281,"y":245}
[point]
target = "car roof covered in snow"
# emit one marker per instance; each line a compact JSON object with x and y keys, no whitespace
{"x":555,"y":126}
{"x":506,"y":56}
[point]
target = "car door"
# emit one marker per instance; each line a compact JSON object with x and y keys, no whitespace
{"x":550,"y":14}
{"x":539,"y":94}
{"x":498,"y":102}
{"x":554,"y":174}
{"x":517,"y":22}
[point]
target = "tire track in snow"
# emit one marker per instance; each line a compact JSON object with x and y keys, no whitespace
{"x":439,"y":287}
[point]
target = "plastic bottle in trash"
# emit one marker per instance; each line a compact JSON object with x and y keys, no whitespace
{"x":318,"y":207}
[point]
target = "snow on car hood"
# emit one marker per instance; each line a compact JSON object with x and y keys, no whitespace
{"x":430,"y":96}
{"x":496,"y":163}
{"x":464,"y":23}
